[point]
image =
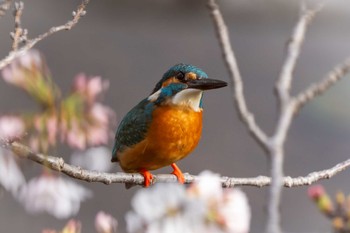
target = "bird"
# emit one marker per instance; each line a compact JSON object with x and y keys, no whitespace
{"x":166,"y":126}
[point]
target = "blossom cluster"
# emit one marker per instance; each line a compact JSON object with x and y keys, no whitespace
{"x":84,"y":120}
{"x":47,"y":192}
{"x":337,"y":212}
{"x":30,"y":73}
{"x":203,"y":207}
{"x":79,"y":119}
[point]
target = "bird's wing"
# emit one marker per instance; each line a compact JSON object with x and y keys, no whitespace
{"x":133,"y":127}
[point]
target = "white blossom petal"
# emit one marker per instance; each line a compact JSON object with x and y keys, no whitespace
{"x":54,"y":195}
{"x":158,"y":200}
{"x":11,"y":177}
{"x":236,"y":211}
{"x":208,"y":187}
{"x":135,"y":223}
{"x":205,"y":207}
{"x":165,"y":208}
{"x":96,"y":158}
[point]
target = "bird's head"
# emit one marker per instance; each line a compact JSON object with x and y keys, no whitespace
{"x":183,"y":84}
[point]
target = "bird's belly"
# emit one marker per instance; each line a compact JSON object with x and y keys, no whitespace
{"x":172,"y":135}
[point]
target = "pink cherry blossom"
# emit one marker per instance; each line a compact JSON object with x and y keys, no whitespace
{"x":95,"y":86}
{"x":105,"y":223}
{"x":31,"y":60}
{"x":13,"y":75}
{"x":80,"y":82}
{"x":34,"y":143}
{"x":316,"y":191}
{"x":30,"y":73}
{"x":84,"y":120}
{"x":93,"y":129}
{"x":52,"y":129}
{"x":11,"y":127}
{"x":101,"y":114}
{"x":76,"y":137}
{"x":97,"y":135}
{"x":89,"y":87}
{"x":16,"y":73}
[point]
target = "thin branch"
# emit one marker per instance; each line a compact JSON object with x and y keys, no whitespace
{"x":4,"y":6}
{"x":236,"y":80}
{"x":316,"y":89}
{"x":287,"y":107}
{"x":288,"y":181}
{"x":276,"y":152}
{"x":19,"y":35}
{"x":58,"y":164}
{"x":274,"y":145}
{"x":30,"y":43}
{"x":283,"y":84}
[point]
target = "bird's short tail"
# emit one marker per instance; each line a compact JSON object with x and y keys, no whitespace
{"x":114,"y":159}
{"x":114,"y":154}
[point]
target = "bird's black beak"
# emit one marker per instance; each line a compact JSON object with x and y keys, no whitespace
{"x":205,"y":84}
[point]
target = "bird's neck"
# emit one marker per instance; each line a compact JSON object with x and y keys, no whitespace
{"x":189,"y":98}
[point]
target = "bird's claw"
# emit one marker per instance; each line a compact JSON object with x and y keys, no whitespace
{"x":178,"y":173}
{"x":147,"y":176}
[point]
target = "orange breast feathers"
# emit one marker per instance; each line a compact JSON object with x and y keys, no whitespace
{"x":173,"y":134}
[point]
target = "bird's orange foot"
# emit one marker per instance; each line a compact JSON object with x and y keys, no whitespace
{"x":178,"y":173}
{"x":148,"y":177}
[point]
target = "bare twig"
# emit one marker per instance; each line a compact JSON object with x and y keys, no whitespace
{"x":288,"y":181}
{"x":19,"y":35}
{"x":274,"y":145}
{"x":4,"y":6}
{"x":236,"y":80}
{"x":58,"y":164}
{"x":283,"y":84}
{"x":30,"y":43}
{"x":337,"y":73}
{"x":276,"y":151}
{"x":287,"y":108}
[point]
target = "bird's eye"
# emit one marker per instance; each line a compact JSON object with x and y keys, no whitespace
{"x":180,"y":76}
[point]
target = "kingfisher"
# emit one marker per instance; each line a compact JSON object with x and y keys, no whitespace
{"x":166,"y":126}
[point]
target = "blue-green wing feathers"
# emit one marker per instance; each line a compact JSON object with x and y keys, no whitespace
{"x":133,"y":127}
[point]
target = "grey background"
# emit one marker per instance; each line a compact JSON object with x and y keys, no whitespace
{"x":132,"y":43}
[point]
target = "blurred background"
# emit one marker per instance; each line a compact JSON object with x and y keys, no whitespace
{"x":132,"y":43}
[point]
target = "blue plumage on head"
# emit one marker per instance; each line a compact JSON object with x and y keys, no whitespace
{"x":184,"y":68}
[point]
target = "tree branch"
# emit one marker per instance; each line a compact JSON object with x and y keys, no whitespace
{"x":316,"y":89}
{"x":19,"y":35}
{"x":283,"y":84}
{"x":287,"y":107}
{"x":4,"y":6}
{"x":236,"y":80}
{"x":30,"y":43}
{"x":59,"y":165}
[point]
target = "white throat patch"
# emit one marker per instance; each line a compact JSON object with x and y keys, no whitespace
{"x":188,"y":97}
{"x":154,"y":96}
